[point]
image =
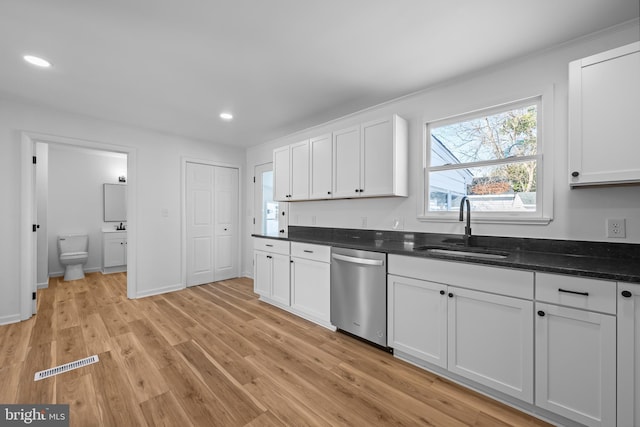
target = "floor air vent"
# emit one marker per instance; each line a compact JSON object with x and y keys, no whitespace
{"x":65,"y":368}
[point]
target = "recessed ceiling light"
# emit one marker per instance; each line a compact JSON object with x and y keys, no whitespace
{"x":226,"y":116}
{"x":40,"y":62}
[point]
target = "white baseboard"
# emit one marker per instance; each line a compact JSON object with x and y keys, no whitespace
{"x":13,"y":318}
{"x":43,"y":285}
{"x":158,"y":291}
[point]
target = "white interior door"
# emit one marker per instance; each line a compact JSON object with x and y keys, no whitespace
{"x":226,"y":223}
{"x":200,"y":227}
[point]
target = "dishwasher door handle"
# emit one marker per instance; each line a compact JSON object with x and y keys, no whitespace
{"x":354,"y":260}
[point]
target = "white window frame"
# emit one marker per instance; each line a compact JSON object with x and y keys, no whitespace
{"x":544,"y":186}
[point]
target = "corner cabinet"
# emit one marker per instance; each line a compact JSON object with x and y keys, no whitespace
{"x":628,"y":354}
{"x":604,"y":106}
{"x":114,"y":251}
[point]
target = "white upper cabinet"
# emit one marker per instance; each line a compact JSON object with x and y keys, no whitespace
{"x":346,"y":162}
{"x":281,"y":174}
{"x":366,"y":160}
{"x":604,"y":106}
{"x":320,"y":167}
{"x":371,"y":160}
{"x":384,"y":157}
{"x":291,"y":172}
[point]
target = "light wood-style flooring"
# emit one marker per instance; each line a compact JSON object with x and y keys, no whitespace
{"x":215,"y":355}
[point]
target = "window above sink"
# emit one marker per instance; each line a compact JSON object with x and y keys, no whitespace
{"x":494,"y":157}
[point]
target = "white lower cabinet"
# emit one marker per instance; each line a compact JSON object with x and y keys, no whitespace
{"x":576,"y":364}
{"x":417,"y":318}
{"x":628,"y":354}
{"x":310,"y":279}
{"x":294,"y":277}
{"x":114,"y":251}
{"x":271,"y":270}
{"x":491,"y":341}
{"x":478,"y":335}
{"x":576,"y":348}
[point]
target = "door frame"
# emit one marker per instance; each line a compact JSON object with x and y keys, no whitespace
{"x":183,"y":211}
{"x":28,"y":255}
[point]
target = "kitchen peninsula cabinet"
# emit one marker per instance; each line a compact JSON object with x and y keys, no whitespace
{"x":604,"y":106}
{"x":291,"y":172}
{"x":628,"y":354}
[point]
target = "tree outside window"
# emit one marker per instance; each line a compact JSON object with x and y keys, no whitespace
{"x":490,"y":156}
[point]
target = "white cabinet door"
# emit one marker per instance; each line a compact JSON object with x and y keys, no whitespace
{"x":576,"y":364}
{"x":262,"y":267}
{"x":320,"y":168}
{"x":491,"y":341}
{"x":280,"y":281}
{"x":346,"y":162}
{"x":115,"y":252}
{"x":281,"y":174}
{"x":299,"y":171}
{"x":417,"y":318}
{"x":628,"y":354}
{"x":310,"y":288}
{"x":604,"y":106}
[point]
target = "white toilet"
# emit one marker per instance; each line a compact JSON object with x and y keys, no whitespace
{"x":73,"y":250}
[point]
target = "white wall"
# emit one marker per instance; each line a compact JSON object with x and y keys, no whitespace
{"x":578,"y":214}
{"x":159,"y":186}
{"x":75,"y":202}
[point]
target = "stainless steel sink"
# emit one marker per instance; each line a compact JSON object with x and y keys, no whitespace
{"x":468,"y":254}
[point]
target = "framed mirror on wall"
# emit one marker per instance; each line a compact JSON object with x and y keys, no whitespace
{"x":115,"y":202}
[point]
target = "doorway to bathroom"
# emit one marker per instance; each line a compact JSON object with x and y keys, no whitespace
{"x":62,"y":193}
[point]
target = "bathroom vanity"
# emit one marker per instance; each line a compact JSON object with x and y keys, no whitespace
{"x":114,"y":251}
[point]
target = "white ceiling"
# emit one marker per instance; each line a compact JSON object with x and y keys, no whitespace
{"x":278,"y":65}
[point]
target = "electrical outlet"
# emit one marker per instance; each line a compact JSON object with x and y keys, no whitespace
{"x":363,"y":222}
{"x":313,"y":220}
{"x":616,"y":228}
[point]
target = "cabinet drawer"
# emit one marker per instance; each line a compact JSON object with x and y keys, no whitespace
{"x":578,"y":292}
{"x":504,"y":281}
{"x":271,"y":245}
{"x":312,"y":252}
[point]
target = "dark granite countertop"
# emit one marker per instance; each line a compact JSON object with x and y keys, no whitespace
{"x":609,"y":261}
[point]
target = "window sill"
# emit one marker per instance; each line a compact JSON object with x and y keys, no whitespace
{"x":493,"y":220}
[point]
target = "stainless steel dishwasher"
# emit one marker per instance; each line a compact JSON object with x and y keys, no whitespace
{"x":359,"y":293}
